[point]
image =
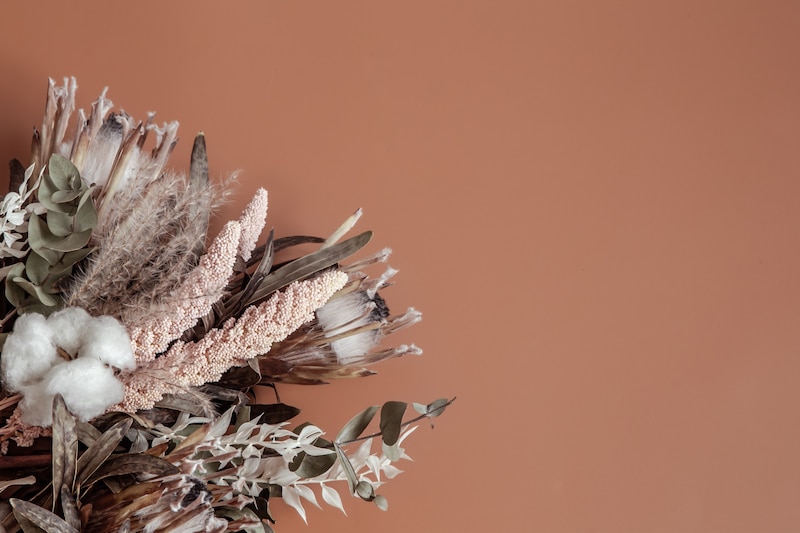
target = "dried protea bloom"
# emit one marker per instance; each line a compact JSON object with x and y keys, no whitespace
{"x":345,"y":336}
{"x":151,"y":223}
{"x":175,"y":503}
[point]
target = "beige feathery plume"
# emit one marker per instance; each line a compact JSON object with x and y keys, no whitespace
{"x":236,"y":342}
{"x":179,"y":311}
{"x":147,"y":251}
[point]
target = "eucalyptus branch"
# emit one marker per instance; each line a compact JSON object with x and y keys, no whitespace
{"x":435,"y":412}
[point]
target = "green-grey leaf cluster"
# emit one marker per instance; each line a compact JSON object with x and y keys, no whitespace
{"x":58,"y":241}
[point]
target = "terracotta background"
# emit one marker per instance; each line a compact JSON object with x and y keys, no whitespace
{"x":595,"y":204}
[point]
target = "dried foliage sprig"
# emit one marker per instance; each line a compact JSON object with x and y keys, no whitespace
{"x":133,"y":351}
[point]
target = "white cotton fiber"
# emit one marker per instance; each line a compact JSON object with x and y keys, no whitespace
{"x":36,"y":407}
{"x":83,"y":373}
{"x":67,"y":327}
{"x":28,"y":352}
{"x":87,"y":385}
{"x":106,"y":340}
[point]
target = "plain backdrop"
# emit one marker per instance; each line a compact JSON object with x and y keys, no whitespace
{"x":594,"y":204}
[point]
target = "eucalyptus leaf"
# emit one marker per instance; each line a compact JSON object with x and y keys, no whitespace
{"x":36,"y":291}
{"x":308,"y":466}
{"x":392,"y":421}
{"x":64,"y":265}
{"x":356,"y":426}
{"x":70,"y":243}
{"x":86,"y":215}
{"x":14,"y":292}
{"x":62,"y":172}
{"x":381,"y":502}
{"x":45,"y":193}
{"x":60,"y":224}
{"x":365,"y":491}
{"x":436,"y":407}
{"x":37,"y":269}
{"x":65,"y":196}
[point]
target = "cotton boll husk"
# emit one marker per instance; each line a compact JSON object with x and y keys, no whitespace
{"x":36,"y":406}
{"x":87,"y":385}
{"x":67,"y":328}
{"x":28,"y":352}
{"x":106,"y":340}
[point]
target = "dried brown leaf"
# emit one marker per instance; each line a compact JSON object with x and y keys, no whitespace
{"x":100,"y":450}
{"x":65,"y":447}
{"x":40,"y":517}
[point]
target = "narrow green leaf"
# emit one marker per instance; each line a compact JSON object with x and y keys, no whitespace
{"x":257,"y":278}
{"x":356,"y":426}
{"x":392,"y":421}
{"x":309,"y":264}
{"x":349,"y":471}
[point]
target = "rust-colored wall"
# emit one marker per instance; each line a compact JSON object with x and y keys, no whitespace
{"x":594,"y":203}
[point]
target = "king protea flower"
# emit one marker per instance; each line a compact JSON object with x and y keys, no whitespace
{"x":345,"y":336}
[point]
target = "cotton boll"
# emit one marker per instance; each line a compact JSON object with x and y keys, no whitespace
{"x":87,"y":385}
{"x":36,"y":407}
{"x":107,"y":340}
{"x":28,"y":352}
{"x":67,"y":327}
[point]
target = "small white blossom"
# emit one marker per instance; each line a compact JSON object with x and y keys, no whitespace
{"x":14,"y":217}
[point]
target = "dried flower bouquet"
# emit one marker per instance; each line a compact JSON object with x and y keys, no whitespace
{"x":131,"y":350}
